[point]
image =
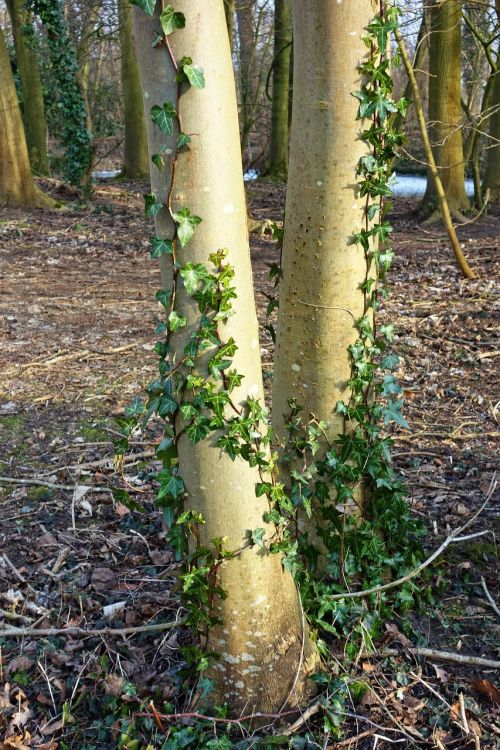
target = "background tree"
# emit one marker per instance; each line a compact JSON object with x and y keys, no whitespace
{"x":445,"y":114}
{"x":76,"y":138}
{"x":135,"y":162}
{"x":16,"y":181}
{"x":261,"y":639}
{"x":278,"y":154}
{"x":31,"y":83}
{"x":492,"y":172}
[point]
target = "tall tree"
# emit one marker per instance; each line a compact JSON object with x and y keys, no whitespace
{"x":492,"y":172}
{"x":16,"y":181}
{"x":262,"y":643}
{"x":321,"y":292}
{"x":245,"y":14}
{"x":445,"y":113}
{"x":135,"y":162}
{"x":229,"y":8}
{"x":76,"y":138}
{"x":278,"y":156}
{"x":31,"y":83}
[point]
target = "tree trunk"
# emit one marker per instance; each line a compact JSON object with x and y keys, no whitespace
{"x":31,"y":83}
{"x":261,"y":642}
{"x":229,"y":11}
{"x":445,"y":114}
{"x":16,"y":182}
{"x":320,"y":292}
{"x":278,"y":157}
{"x":492,"y":173}
{"x":136,"y":145}
{"x":245,"y":14}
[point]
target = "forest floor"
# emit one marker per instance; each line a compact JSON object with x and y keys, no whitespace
{"x":77,"y":320}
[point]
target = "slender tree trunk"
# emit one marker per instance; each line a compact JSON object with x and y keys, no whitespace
{"x":492,"y":174}
{"x":136,"y":145}
{"x":321,"y":295}
{"x":229,"y":9}
{"x":278,"y":157}
{"x":16,"y":182}
{"x":31,"y":83}
{"x":261,"y":642}
{"x":245,"y":14}
{"x":445,"y":113}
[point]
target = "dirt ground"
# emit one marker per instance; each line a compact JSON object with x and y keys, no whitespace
{"x":77,"y":320}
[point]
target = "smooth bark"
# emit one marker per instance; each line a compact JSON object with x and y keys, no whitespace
{"x":17,"y":187}
{"x":31,"y":83}
{"x":445,"y":113}
{"x":262,"y":643}
{"x":278,"y":156}
{"x":135,"y":162}
{"x":320,"y":292}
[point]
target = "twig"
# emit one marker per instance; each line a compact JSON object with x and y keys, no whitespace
{"x":17,"y":573}
{"x":41,"y":483}
{"x":490,"y":599}
{"x":412,"y":574}
{"x":47,"y":632}
{"x":306,"y":715}
{"x":14,"y":616}
{"x":465,"y":724}
{"x":450,"y":656}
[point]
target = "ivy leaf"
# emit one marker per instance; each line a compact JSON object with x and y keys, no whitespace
{"x":257,"y":537}
{"x":160,"y":247}
{"x":192,"y":274}
{"x":164,"y":296}
{"x":151,"y":206}
{"x":392,"y":413}
{"x":390,"y":386}
{"x":135,"y":409}
{"x":186,"y":223}
{"x":171,"y":485}
{"x":148,"y":6}
{"x":183,"y":139}
{"x":164,"y":117}
{"x":171,"y":20}
{"x":390,"y":362}
{"x":176,"y":321}
{"x":195,"y":76}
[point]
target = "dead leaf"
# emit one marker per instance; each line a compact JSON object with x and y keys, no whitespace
{"x":397,"y":635}
{"x":486,"y":688}
{"x":441,"y":673}
{"x":114,"y":684}
{"x":19,"y":664}
{"x":103,"y":579}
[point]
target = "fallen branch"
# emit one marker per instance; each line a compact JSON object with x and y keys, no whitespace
{"x":84,"y":632}
{"x":450,"y":656}
{"x":490,"y":599}
{"x":453,"y":537}
{"x":50,"y":485}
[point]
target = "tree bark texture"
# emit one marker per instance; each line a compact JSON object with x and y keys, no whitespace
{"x":229,"y":9}
{"x":16,"y":182}
{"x":278,"y":157}
{"x":445,"y":113}
{"x":135,"y":162}
{"x":31,"y":83}
{"x":262,"y":641}
{"x":492,"y":173}
{"x":320,"y":292}
{"x":245,"y":14}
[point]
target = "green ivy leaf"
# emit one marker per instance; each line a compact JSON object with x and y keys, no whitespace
{"x":195,"y":75}
{"x":183,"y":139}
{"x":151,"y":206}
{"x":392,"y":413}
{"x":257,"y":537}
{"x":171,"y":485}
{"x":148,"y":6}
{"x":171,"y":20}
{"x":390,"y":362}
{"x":176,"y":321}
{"x":135,"y":409}
{"x":160,"y":247}
{"x":186,"y":222}
{"x":164,"y":117}
{"x":192,"y":275}
{"x":390,"y":386}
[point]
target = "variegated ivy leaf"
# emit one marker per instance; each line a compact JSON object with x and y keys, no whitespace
{"x":171,"y":20}
{"x":164,"y":117}
{"x":148,"y":6}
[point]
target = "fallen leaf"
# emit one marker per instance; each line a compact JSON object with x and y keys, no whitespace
{"x":441,"y":673}
{"x":486,"y":688}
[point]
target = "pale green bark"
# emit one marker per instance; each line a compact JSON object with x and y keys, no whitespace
{"x":261,"y":639}
{"x":31,"y":83}
{"x":16,"y":182}
{"x":278,"y":156}
{"x":135,"y":162}
{"x":445,"y":113}
{"x":320,"y":293}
